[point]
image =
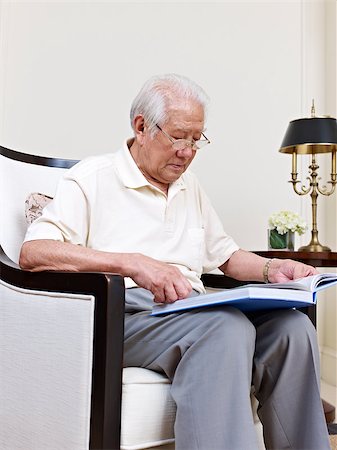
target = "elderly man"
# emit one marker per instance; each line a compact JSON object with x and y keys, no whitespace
{"x":140,"y":212}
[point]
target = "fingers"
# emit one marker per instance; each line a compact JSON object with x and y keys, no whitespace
{"x":291,"y":270}
{"x":166,"y":282}
{"x":171,"y":285}
{"x":303,"y":270}
{"x":172,"y":290}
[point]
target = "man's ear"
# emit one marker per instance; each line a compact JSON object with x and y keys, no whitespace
{"x":139,"y":126}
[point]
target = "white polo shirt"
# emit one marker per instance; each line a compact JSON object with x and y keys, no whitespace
{"x":105,"y":203}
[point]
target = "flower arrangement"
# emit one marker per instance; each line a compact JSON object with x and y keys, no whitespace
{"x":284,"y":221}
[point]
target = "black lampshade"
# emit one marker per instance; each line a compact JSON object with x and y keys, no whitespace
{"x":310,"y":135}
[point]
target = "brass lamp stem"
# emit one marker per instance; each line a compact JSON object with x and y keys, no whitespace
{"x":314,"y":245}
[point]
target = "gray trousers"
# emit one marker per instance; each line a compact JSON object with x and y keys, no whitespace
{"x":212,"y":357}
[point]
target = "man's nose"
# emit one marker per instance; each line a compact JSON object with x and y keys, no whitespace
{"x":186,"y":152}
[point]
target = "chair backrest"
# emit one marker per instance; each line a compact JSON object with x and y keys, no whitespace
{"x":20,"y":175}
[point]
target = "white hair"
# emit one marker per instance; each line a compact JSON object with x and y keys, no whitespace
{"x":153,"y":99}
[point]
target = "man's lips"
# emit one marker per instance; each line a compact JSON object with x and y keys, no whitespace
{"x":176,"y":166}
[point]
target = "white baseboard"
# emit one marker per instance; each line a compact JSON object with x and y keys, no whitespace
{"x":329,"y":365}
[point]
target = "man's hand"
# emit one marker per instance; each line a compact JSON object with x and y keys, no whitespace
{"x":283,"y":270}
{"x":166,"y":282}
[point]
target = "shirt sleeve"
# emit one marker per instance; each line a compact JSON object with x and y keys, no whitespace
{"x":65,"y":218}
{"x":219,"y":246}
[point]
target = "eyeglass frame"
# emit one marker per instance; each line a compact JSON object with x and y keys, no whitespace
{"x":192,"y":144}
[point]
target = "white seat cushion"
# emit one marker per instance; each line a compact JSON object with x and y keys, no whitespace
{"x":148,"y":411}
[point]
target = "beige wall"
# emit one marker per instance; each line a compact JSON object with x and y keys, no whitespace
{"x":69,"y":70}
{"x":328,"y":308}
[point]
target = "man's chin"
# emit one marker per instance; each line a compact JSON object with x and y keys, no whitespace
{"x":174,"y":171}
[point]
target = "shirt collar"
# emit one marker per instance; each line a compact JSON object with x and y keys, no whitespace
{"x":133,"y":178}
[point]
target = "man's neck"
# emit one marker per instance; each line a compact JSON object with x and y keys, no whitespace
{"x":134,"y":150}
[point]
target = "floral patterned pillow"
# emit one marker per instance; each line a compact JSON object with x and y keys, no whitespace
{"x":34,"y":205}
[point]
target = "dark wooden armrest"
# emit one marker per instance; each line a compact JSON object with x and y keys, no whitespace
{"x":109,"y":292}
{"x":221,"y":281}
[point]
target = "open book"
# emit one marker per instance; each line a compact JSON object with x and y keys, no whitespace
{"x":252,"y":297}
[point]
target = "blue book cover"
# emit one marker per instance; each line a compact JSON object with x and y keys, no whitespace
{"x":253,"y":297}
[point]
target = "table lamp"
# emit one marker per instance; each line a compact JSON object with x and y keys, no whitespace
{"x":310,"y":136}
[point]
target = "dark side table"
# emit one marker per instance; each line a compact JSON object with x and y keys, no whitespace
{"x":316,"y":259}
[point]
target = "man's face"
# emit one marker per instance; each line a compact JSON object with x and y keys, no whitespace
{"x":158,"y":161}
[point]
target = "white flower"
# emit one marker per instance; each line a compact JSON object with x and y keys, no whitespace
{"x":284,"y":221}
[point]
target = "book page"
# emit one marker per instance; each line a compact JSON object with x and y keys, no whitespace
{"x":311,"y":283}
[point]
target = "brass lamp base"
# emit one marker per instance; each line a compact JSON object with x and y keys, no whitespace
{"x":314,"y":248}
{"x":314,"y":245}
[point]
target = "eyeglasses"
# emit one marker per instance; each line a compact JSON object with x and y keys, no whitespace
{"x":181,"y":144}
